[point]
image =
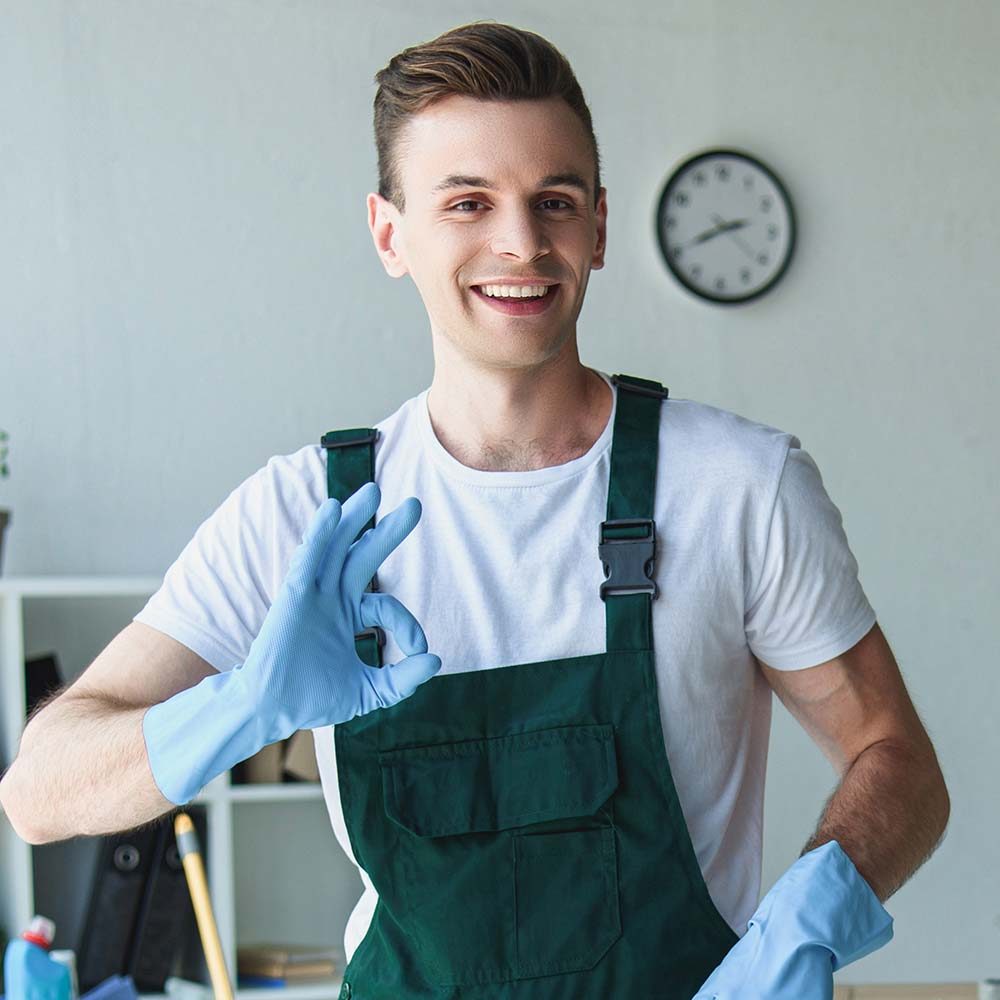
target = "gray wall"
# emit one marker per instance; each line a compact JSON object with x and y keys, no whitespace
{"x":189,"y":286}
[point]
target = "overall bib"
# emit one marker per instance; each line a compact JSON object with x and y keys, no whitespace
{"x":520,"y":824}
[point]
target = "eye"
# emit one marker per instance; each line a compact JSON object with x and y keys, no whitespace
{"x":561,"y":202}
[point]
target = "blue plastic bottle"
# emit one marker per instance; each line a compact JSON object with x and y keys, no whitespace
{"x":28,"y":971}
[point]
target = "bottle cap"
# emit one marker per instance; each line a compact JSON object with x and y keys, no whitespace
{"x":41,"y":931}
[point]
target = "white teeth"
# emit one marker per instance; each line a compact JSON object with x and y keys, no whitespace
{"x":513,"y":291}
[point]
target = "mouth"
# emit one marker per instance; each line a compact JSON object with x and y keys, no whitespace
{"x":511,"y":306}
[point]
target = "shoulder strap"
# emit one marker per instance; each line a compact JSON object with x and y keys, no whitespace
{"x":350,"y":463}
{"x":627,"y":542}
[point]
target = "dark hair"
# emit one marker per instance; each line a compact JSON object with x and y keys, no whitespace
{"x":483,"y":59}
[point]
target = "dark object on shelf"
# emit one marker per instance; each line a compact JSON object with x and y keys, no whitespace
{"x":41,"y":675}
{"x":166,"y":915}
{"x":123,"y":863}
{"x":5,"y":519}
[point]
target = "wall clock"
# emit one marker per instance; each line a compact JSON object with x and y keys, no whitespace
{"x":726,"y":226}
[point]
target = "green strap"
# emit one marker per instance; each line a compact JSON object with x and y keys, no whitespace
{"x":350,"y":463}
{"x":631,"y":495}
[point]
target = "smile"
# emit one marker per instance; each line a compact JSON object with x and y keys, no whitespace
{"x":516,"y":305}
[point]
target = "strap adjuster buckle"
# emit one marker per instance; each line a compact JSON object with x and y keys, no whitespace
{"x":629,"y":563}
{"x":643,"y":390}
{"x":329,"y":440}
{"x":376,"y":631}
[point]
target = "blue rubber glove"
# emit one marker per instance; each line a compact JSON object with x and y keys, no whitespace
{"x":302,"y":671}
{"x":820,"y":915}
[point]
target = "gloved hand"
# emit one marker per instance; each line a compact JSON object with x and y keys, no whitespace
{"x":302,"y":670}
{"x":820,"y":915}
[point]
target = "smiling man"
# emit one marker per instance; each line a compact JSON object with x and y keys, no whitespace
{"x":501,"y":253}
{"x":564,"y":799}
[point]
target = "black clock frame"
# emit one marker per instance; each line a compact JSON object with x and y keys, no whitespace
{"x":659,"y":217}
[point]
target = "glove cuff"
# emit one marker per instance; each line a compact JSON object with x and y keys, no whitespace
{"x":199,"y":733}
{"x":823,"y":899}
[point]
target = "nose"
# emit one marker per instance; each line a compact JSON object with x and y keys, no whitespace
{"x":520,"y":235}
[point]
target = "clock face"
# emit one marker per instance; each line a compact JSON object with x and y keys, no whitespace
{"x":726,"y":226}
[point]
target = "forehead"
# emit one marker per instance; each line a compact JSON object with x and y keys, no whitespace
{"x":504,"y":141}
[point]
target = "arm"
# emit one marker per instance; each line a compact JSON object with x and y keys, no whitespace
{"x":109,"y":763}
{"x":880,"y":825}
{"x":891,"y":807}
{"x":82,"y":767}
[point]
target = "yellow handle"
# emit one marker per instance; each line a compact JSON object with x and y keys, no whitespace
{"x":194,"y":870}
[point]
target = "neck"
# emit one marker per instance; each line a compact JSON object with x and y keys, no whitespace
{"x":516,"y":420}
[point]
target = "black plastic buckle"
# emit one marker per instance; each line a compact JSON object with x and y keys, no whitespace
{"x":642,"y":390}
{"x":629,"y":563}
{"x":328,"y":442}
{"x":377,"y":631}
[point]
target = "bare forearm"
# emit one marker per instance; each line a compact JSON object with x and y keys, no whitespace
{"x":81,"y":770}
{"x":888,"y":814}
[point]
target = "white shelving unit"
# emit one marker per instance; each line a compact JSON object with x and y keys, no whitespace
{"x":223,"y":800}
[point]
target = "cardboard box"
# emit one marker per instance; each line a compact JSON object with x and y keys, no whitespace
{"x":300,"y":756}
{"x":263,"y":766}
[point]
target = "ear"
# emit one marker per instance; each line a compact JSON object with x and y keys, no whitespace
{"x":601,"y":212}
{"x":383,"y":221}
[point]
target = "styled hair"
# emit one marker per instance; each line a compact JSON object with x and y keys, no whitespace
{"x":485,"y":60}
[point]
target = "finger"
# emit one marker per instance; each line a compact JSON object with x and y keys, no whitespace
{"x":359,"y":509}
{"x":399,"y":680}
{"x":393,"y":615}
{"x":371,"y":550}
{"x":307,"y":559}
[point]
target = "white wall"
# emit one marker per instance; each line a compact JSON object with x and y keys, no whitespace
{"x":188,"y":286}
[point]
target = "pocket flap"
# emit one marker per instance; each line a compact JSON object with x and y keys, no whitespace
{"x":476,"y":786}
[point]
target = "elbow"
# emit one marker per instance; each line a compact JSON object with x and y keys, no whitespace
{"x":945,"y":805}
{"x":13,"y":809}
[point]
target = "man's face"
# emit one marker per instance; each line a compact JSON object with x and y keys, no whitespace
{"x":490,"y":199}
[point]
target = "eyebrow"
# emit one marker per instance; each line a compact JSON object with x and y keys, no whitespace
{"x":568,"y":179}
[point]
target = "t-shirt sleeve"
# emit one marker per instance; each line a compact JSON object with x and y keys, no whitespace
{"x":805,"y":603}
{"x":215,"y":595}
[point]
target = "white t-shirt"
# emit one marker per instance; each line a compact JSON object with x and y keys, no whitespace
{"x":503,"y":569}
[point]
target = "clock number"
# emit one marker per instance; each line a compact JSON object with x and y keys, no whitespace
{"x":681,"y":198}
{"x":765,"y":204}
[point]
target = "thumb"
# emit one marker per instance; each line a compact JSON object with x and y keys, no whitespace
{"x":392,"y":614}
{"x":399,"y":680}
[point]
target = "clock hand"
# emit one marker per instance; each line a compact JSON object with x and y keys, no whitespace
{"x":723,"y":227}
{"x":746,"y":247}
{"x":727,"y":227}
{"x":705,"y":236}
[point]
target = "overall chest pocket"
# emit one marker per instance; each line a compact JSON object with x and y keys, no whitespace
{"x":505,"y":862}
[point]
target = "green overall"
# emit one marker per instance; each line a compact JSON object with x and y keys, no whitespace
{"x":520,"y":824}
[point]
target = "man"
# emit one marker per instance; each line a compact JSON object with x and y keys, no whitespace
{"x":564,"y":799}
